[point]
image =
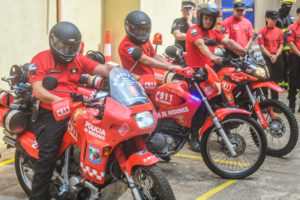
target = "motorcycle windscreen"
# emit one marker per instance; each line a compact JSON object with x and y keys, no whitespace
{"x":255,"y":53}
{"x":124,"y":89}
{"x":256,"y":56}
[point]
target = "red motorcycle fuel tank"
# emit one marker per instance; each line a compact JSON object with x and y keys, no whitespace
{"x":169,"y":94}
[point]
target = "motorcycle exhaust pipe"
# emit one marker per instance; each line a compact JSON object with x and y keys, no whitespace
{"x":9,"y":141}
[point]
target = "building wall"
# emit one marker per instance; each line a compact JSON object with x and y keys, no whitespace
{"x":114,"y":14}
{"x":87,"y":15}
{"x":162,"y":14}
{"x":25,"y":25}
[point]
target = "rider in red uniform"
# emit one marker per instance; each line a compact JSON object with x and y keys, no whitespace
{"x":198,"y":54}
{"x":138,"y":28}
{"x":63,"y":61}
{"x":237,"y":27}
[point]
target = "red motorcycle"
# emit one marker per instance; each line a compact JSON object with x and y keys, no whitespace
{"x":103,"y":150}
{"x":242,"y":82}
{"x":186,"y":104}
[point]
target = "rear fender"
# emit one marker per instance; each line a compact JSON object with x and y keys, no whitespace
{"x":221,"y":114}
{"x":29,"y":143}
{"x":144,"y":158}
{"x":267,"y":84}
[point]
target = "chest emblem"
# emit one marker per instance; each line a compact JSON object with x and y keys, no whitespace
{"x":74,"y":71}
{"x":54,"y":71}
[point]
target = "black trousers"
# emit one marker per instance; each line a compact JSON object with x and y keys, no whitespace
{"x":286,"y":63}
{"x":49,"y":133}
{"x":294,"y":79}
{"x":276,"y":74}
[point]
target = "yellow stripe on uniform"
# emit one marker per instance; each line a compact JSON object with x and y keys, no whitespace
{"x":7,"y":162}
{"x":215,"y":190}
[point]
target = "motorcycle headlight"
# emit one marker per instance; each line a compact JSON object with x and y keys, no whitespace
{"x":260,"y":72}
{"x":144,"y":119}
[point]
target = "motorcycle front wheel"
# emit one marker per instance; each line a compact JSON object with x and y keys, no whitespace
{"x":152,"y":183}
{"x":282,"y":133}
{"x":249,"y":142}
{"x":24,"y":170}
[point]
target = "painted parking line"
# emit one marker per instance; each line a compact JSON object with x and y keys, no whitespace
{"x":216,"y":190}
{"x":220,"y":161}
{"x":7,"y":162}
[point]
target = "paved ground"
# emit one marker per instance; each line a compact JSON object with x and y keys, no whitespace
{"x":278,"y":178}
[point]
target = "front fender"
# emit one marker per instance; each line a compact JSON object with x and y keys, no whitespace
{"x":144,"y":158}
{"x":221,"y":114}
{"x":267,"y":84}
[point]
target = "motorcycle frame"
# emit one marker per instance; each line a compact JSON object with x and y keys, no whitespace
{"x":232,"y":77}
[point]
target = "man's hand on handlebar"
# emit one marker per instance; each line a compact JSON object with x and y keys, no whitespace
{"x":173,"y":67}
{"x":217,"y":60}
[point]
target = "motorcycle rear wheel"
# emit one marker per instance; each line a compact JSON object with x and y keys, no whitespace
{"x":152,"y":183}
{"x":240,"y":129}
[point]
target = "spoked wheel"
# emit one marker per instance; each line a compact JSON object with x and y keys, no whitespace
{"x":152,"y":184}
{"x":282,"y":133}
{"x":24,"y":170}
{"x":240,"y":130}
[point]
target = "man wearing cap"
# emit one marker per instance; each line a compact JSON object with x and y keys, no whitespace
{"x":237,"y":27}
{"x":270,"y":39}
{"x":285,"y":19}
{"x":293,"y":38}
{"x":181,"y":25}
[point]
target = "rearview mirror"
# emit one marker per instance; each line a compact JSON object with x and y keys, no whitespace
{"x":50,"y":82}
{"x":211,"y":43}
{"x":136,"y":53}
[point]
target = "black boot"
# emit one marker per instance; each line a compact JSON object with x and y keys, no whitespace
{"x":195,"y":144}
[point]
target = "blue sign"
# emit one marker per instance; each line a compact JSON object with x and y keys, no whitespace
{"x":227,"y":8}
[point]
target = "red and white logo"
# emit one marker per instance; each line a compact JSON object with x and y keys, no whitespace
{"x":63,"y":111}
{"x":72,"y":131}
{"x":163,"y":97}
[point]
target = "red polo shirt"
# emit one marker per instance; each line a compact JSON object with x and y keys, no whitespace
{"x":194,"y":55}
{"x":67,"y":75}
{"x":125,"y":50}
{"x":293,"y":35}
{"x":271,"y":38}
{"x":239,"y":30}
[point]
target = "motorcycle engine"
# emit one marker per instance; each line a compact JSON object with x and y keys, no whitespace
{"x":166,"y":136}
{"x":161,"y":143}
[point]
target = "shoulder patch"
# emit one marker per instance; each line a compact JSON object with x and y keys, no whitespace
{"x":32,"y":67}
{"x":289,"y":33}
{"x":129,"y":51}
{"x":223,"y":28}
{"x":194,"y":32}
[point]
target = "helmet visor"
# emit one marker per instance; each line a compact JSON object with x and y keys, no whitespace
{"x":140,"y":32}
{"x":70,"y":48}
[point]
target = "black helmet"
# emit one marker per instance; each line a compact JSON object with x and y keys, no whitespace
{"x":65,"y":41}
{"x":138,"y":27}
{"x":210,"y":9}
